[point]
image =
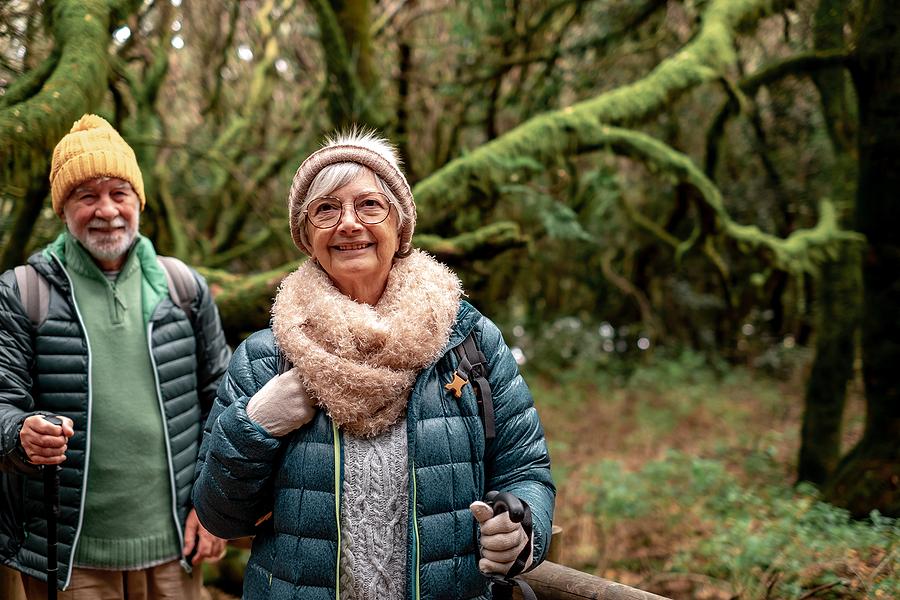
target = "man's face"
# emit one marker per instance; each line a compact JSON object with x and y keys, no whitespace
{"x":103,"y":214}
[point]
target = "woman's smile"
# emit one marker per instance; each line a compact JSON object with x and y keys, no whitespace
{"x":358,"y":246}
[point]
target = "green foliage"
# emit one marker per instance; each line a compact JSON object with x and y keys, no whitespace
{"x":561,"y":223}
{"x":754,"y":532}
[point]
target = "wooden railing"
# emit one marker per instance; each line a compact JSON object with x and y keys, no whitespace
{"x":551,"y":581}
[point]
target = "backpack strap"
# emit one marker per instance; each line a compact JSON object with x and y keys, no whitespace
{"x":181,"y":282}
{"x":473,"y":367}
{"x":34,"y":291}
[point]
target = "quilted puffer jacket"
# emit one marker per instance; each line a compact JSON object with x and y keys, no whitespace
{"x":48,"y":372}
{"x":243,"y":474}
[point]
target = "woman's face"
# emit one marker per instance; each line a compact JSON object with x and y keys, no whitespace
{"x":357,"y":256}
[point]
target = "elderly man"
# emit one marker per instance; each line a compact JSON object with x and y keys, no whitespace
{"x":129,"y":366}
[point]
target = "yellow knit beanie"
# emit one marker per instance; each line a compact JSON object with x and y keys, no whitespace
{"x":91,"y":149}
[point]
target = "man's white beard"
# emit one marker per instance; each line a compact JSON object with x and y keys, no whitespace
{"x":108,"y":247}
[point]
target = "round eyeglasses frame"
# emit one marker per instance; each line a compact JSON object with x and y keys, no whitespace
{"x":390,"y":206}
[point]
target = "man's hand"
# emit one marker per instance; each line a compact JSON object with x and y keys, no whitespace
{"x":282,"y":405}
{"x":501,"y":540}
{"x":208,"y":547}
{"x":44,"y":442}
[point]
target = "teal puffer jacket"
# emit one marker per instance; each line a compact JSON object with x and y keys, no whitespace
{"x":47,"y":372}
{"x":243,"y":474}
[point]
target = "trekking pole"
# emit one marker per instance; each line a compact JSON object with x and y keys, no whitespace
{"x":51,"y":498}
{"x":519,"y":512}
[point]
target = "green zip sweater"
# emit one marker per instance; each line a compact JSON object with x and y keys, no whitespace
{"x":128,"y":518}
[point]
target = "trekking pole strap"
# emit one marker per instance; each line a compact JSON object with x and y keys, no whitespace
{"x":503,"y":585}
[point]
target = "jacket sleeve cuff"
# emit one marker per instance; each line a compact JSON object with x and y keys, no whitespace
{"x":17,"y":459}
{"x":244,"y":435}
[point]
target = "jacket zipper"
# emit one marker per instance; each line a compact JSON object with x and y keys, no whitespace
{"x":90,"y":410}
{"x":162,"y":415}
{"x":415,"y":534}
{"x":337,"y":507}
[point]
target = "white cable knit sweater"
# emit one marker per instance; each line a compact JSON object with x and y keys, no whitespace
{"x":374,"y":515}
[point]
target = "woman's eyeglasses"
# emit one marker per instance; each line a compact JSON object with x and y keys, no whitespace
{"x":326,"y":211}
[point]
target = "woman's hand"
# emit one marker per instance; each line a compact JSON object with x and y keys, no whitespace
{"x":282,"y":405}
{"x":501,"y":540}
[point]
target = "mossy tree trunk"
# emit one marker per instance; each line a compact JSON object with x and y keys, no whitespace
{"x":838,"y":301}
{"x":41,"y":106}
{"x":351,"y":86}
{"x":868,"y":477}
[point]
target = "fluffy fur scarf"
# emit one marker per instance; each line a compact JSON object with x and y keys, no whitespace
{"x":359,"y":362}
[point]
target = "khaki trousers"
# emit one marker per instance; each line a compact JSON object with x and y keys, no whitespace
{"x":167,"y":581}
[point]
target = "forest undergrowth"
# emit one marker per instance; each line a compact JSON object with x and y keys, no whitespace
{"x":679,"y":479}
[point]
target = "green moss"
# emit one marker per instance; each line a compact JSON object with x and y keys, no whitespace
{"x":72,"y":82}
{"x":569,"y":131}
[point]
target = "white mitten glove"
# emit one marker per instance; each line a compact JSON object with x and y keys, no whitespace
{"x":501,"y":540}
{"x":282,"y":405}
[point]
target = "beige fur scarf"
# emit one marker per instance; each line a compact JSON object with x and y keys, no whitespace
{"x":359,"y":362}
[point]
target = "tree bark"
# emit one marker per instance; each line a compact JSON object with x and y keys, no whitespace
{"x":838,"y":302}
{"x":868,"y":478}
{"x":346,"y":44}
{"x":838,"y":320}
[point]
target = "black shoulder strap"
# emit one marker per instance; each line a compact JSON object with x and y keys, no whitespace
{"x":182,"y":285}
{"x":473,"y":367}
{"x":34,"y":291}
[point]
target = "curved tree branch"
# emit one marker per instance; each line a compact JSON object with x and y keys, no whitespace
{"x":802,"y":251}
{"x":485,"y":242}
{"x":568,"y":131}
{"x":35,"y":123}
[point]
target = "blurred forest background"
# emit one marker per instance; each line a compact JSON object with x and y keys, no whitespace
{"x":682,"y":213}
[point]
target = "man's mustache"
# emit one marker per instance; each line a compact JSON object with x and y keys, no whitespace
{"x":97,"y":223}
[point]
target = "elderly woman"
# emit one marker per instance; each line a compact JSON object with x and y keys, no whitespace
{"x":359,"y":470}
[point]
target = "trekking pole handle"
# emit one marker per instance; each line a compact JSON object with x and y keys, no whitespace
{"x":53,"y":420}
{"x":51,"y":476}
{"x":505,"y":502}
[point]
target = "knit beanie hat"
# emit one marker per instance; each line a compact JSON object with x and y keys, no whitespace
{"x":91,"y":149}
{"x":365,"y":149}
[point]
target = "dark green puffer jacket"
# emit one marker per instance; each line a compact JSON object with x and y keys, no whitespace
{"x":47,"y":372}
{"x":243,"y":474}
